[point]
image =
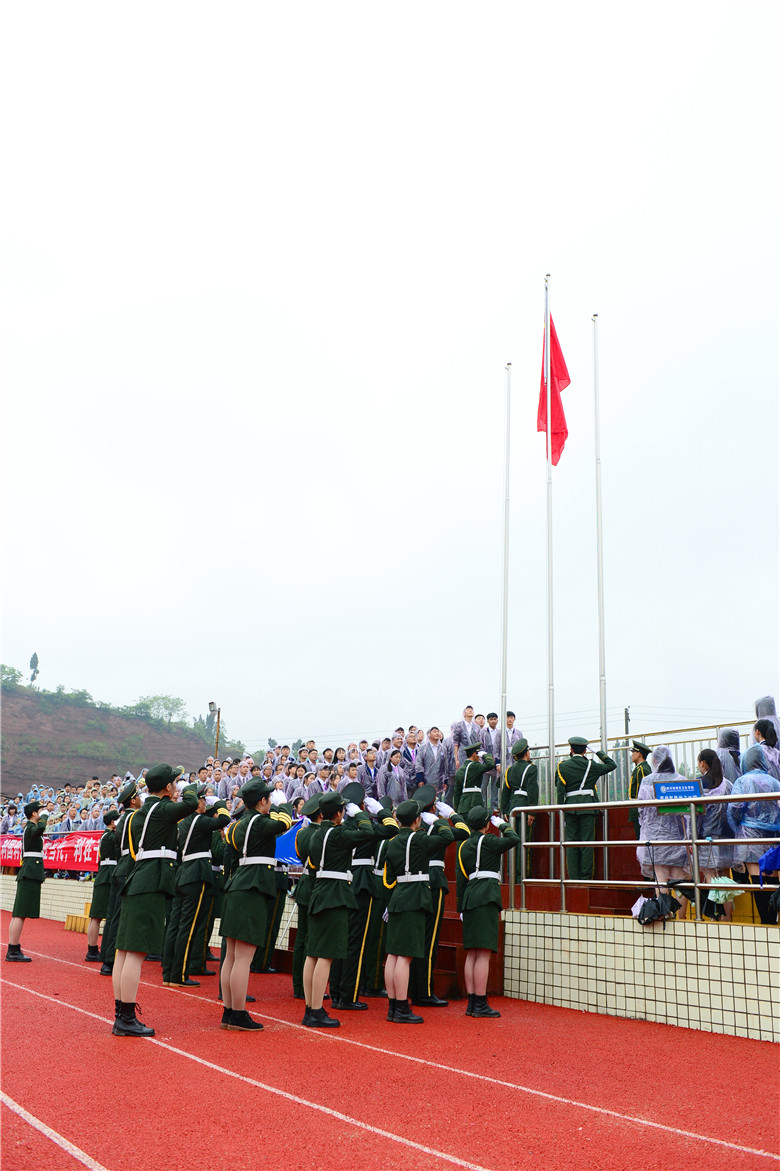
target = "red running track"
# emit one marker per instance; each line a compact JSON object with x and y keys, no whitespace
{"x":542,"y":1087}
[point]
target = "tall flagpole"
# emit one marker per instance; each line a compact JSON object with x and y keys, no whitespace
{"x":505,"y":595}
{"x":550,"y":662}
{"x":599,"y":543}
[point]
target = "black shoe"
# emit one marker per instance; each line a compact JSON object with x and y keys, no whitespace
{"x":92,"y":956}
{"x":155,"y":959}
{"x":319,"y":1019}
{"x":211,"y":958}
{"x":403,"y":1015}
{"x":242,"y":1022}
{"x":348,"y":1005}
{"x":106,"y":970}
{"x":225,"y":1017}
{"x":306,"y":1015}
{"x":391,"y":1007}
{"x":250,"y":999}
{"x":482,"y":1008}
{"x":15,"y":955}
{"x":372,"y":993}
{"x":117,"y":1008}
{"x":431,"y":1002}
{"x":188,"y":983}
{"x":127,"y":1023}
{"x":268,"y":971}
{"x":470,"y":1005}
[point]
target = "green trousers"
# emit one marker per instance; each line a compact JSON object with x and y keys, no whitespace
{"x":580,"y":827}
{"x":421,"y":971}
{"x":299,"y":951}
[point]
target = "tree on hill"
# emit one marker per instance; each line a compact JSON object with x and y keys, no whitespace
{"x":34,"y":668}
{"x":9,"y":676}
{"x":163,"y":707}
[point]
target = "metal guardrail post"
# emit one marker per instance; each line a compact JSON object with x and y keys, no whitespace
{"x":522,"y":860}
{"x":605,"y":820}
{"x":562,"y":831}
{"x":512,"y":865}
{"x":695,"y":862}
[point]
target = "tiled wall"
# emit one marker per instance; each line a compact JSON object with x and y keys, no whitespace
{"x":713,"y":976}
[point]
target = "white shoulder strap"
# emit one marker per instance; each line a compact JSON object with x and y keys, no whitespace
{"x":328,"y":832}
{"x":252,"y":820}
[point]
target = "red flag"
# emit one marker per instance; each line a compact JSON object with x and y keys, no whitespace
{"x":559,"y":380}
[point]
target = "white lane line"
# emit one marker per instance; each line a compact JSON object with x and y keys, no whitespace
{"x":59,"y":1139}
{"x":396,"y":1138}
{"x":327,"y":1035}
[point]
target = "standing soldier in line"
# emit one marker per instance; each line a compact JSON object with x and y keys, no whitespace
{"x":479,"y":888}
{"x":330,"y":854}
{"x":152,"y":842}
{"x":264,"y":956}
{"x":642,"y":768}
{"x":27,"y":903}
{"x":201,"y":952}
{"x":421,"y":984}
{"x":194,"y":881}
{"x":406,"y":876}
{"x":576,"y":788}
{"x":249,"y":893}
{"x":345,"y":974}
{"x":108,"y":856}
{"x":130,"y":800}
{"x":373,"y":976}
{"x":229,"y":867}
{"x":302,"y":892}
{"x":521,"y":788}
{"x":468,"y":778}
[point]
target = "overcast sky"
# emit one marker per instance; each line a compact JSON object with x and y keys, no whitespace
{"x":264,"y":265}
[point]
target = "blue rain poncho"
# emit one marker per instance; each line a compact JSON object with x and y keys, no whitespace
{"x":753,"y":819}
{"x":728,"y":752}
{"x":714,"y":823}
{"x":765,"y":710}
{"x":655,"y":826}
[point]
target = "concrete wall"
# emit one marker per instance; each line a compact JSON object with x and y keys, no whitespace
{"x":711,"y":976}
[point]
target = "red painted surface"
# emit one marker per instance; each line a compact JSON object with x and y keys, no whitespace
{"x":134,"y":1106}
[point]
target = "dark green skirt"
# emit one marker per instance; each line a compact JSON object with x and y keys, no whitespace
{"x":480,"y":928}
{"x":245,"y":916}
{"x":327,"y":933}
{"x":99,"y":904}
{"x":406,"y":934}
{"x":142,"y":923}
{"x":27,"y":904}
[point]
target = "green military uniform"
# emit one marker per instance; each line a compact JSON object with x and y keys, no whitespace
{"x":151,"y":838}
{"x":642,"y":770}
{"x":332,"y":898}
{"x":479,"y":884}
{"x":119,"y":877}
{"x":345,"y":975}
{"x":302,"y":896}
{"x":421,"y":987}
{"x":250,"y":889}
{"x":375,"y":937}
{"x":468,"y":782}
{"x":576,"y":779}
{"x":108,"y":858}
{"x":520,"y":789}
{"x":406,"y":876}
{"x":200,"y":946}
{"x":229,"y":865}
{"x":27,"y":903}
{"x":263,"y":958}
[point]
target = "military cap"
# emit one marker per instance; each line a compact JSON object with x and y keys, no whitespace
{"x":32,"y":807}
{"x":330,"y":803}
{"x":475,"y":747}
{"x":202,"y":790}
{"x":160,"y":775}
{"x":312,"y":806}
{"x":126,"y":795}
{"x":110,"y":817}
{"x":387,"y":804}
{"x":219,"y":806}
{"x":407,"y":812}
{"x":519,"y":747}
{"x":190,"y":791}
{"x":638,"y":746}
{"x":578,"y":741}
{"x":355,"y":792}
{"x":478,"y":817}
{"x":254,"y":791}
{"x":425,"y":796}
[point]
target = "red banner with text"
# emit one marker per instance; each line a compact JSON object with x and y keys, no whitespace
{"x":73,"y":851}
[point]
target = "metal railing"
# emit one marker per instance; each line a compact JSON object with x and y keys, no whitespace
{"x":559,"y":845}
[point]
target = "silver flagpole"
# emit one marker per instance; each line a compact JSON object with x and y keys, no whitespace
{"x":599,"y":543}
{"x":550,"y":662}
{"x":503,"y":764}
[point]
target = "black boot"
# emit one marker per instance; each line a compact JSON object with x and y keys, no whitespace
{"x":403,"y":1015}
{"x":391,"y":1003}
{"x":15,"y":955}
{"x":470,"y":1005}
{"x":431,"y":1001}
{"x":225,"y":1017}
{"x":319,"y":1019}
{"x":93,"y":955}
{"x":127,"y":1023}
{"x":106,"y":970}
{"x":761,"y":898}
{"x":482,"y":1008}
{"x":241,"y":1021}
{"x":348,"y":1005}
{"x":306,"y":1014}
{"x":117,"y":1008}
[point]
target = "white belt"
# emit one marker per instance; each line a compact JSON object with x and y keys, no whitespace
{"x":412,"y":878}
{"x":580,"y":793}
{"x":485,"y":874}
{"x":343,"y":875}
{"x":125,"y":853}
{"x":472,"y":789}
{"x":379,"y":873}
{"x":257,"y":860}
{"x":436,"y":862}
{"x":520,"y":793}
{"x":30,"y":854}
{"x":192,"y":857}
{"x":362,"y":861}
{"x":217,"y":868}
{"x":142,"y":855}
{"x":108,"y":862}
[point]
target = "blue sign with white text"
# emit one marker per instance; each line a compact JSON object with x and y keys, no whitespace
{"x":677,"y":789}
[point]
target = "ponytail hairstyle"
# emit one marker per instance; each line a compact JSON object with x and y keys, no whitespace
{"x":714,"y":775}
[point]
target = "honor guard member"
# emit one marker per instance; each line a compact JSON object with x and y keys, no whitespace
{"x":479,"y":883}
{"x":576,"y":779}
{"x":302,"y":892}
{"x":521,"y":788}
{"x":345,"y":975}
{"x":151,"y":838}
{"x":249,"y":895}
{"x":200,"y":948}
{"x":421,"y":984}
{"x":330,"y":855}
{"x":27,"y":904}
{"x":108,"y":856}
{"x":373,"y":975}
{"x":229,"y":865}
{"x":264,"y":956}
{"x":468,"y":778}
{"x":642,"y":768}
{"x":130,"y":800}
{"x":194,"y":880}
{"x":406,"y":877}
